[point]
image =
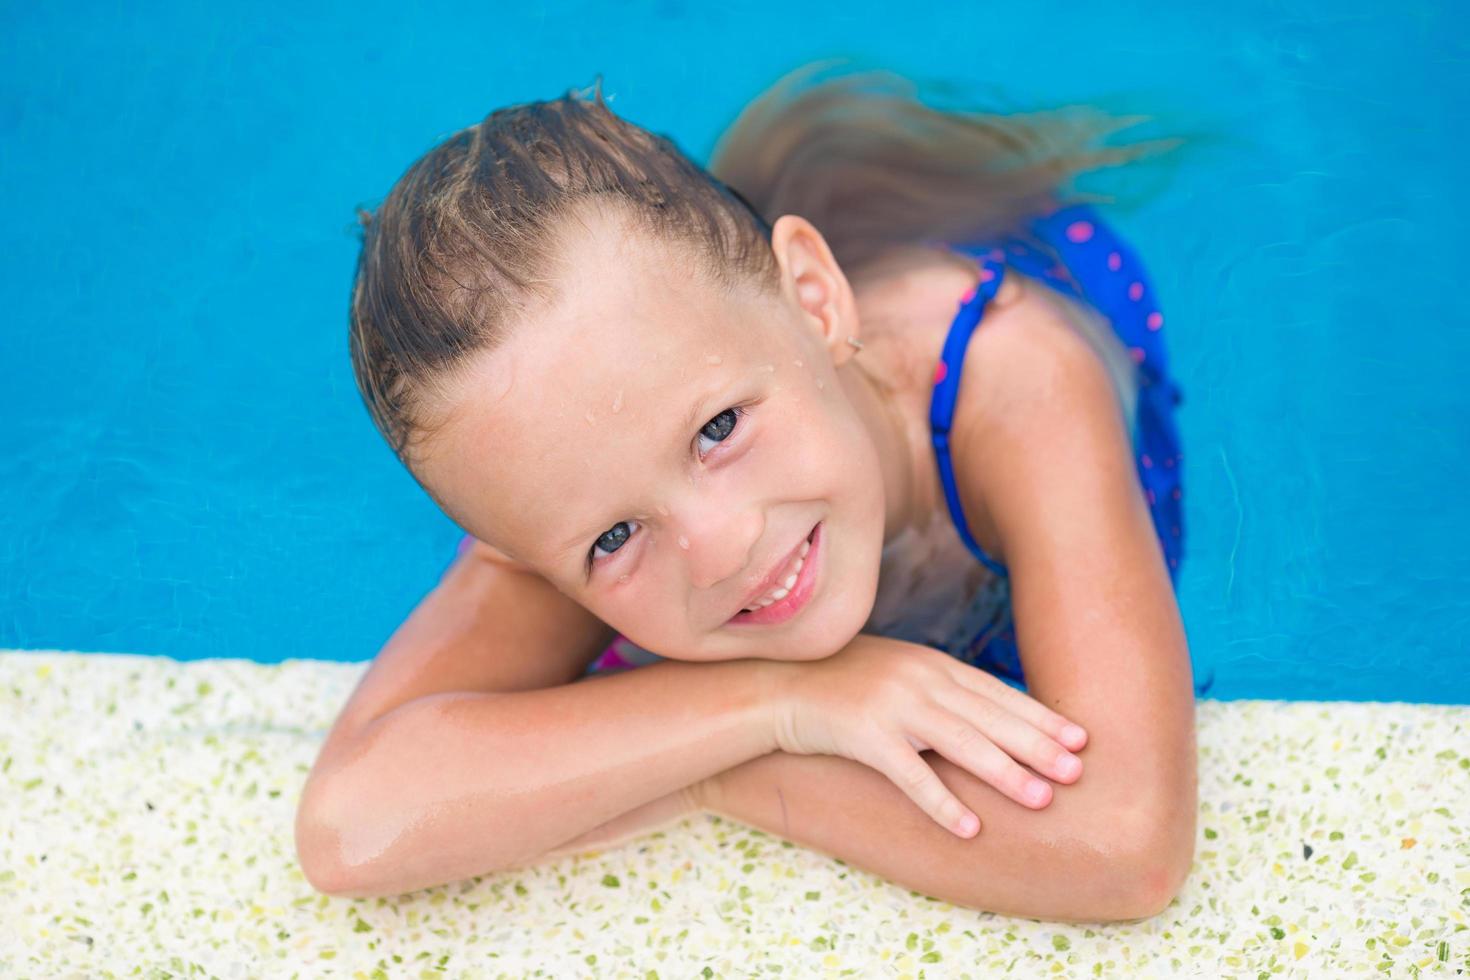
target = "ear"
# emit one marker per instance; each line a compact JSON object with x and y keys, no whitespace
{"x":812,"y":279}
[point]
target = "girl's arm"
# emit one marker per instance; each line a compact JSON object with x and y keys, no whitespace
{"x":465,"y":783}
{"x":1101,"y":641}
{"x":469,"y":745}
{"x":655,"y":815}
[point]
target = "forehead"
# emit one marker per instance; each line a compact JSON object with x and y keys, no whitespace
{"x":588,"y":395}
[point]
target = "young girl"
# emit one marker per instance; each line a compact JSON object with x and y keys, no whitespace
{"x":833,"y":442}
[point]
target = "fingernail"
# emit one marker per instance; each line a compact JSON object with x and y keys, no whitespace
{"x":1073,"y":733}
{"x":1036,"y":792}
{"x":969,"y":824}
{"x":1069,"y":766}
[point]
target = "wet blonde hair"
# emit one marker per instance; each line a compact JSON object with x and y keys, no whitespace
{"x":465,"y":239}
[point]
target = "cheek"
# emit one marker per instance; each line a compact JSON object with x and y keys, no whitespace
{"x":825,"y":430}
{"x":806,"y":446}
{"x":846,"y":437}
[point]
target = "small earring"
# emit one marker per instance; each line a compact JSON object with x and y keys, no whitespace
{"x":855,"y":342}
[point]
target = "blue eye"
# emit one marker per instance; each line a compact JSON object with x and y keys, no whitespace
{"x":611,"y":540}
{"x":724,"y":424}
{"x":719,"y":429}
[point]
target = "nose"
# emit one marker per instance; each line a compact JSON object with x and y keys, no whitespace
{"x":721,"y":540}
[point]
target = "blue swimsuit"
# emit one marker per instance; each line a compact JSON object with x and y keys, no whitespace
{"x":1086,"y":261}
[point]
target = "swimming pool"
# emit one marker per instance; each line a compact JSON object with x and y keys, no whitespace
{"x":190,"y":472}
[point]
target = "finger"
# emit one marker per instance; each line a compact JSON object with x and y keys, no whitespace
{"x":1064,"y":730}
{"x":962,"y":743}
{"x":907,"y":770}
{"x":1015,"y":736}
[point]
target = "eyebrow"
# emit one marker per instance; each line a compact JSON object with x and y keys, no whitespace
{"x":583,"y":539}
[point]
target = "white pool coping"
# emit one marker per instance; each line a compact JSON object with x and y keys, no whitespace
{"x":147,"y":810}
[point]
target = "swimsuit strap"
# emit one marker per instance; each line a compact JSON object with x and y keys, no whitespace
{"x":946,"y":393}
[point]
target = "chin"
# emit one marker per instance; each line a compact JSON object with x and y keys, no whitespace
{"x":849,"y":620}
{"x":847,"y":612}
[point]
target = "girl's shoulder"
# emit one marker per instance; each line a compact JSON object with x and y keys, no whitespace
{"x":1026,"y":353}
{"x":909,"y":314}
{"x":1022,"y":340}
{"x":908,"y":304}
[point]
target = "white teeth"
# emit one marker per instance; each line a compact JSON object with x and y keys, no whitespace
{"x":787,"y":584}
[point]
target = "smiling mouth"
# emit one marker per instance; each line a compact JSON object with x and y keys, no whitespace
{"x":792,"y":600}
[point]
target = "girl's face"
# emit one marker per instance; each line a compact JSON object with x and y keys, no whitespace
{"x":654,"y":447}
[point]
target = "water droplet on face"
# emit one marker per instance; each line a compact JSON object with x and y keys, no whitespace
{"x":713,"y":359}
{"x":798,"y":362}
{"x":683,"y":542}
{"x":623,"y":577}
{"x":663,"y":510}
{"x":589,"y":418}
{"x":768,"y":367}
{"x":820,"y":386}
{"x":617,"y":405}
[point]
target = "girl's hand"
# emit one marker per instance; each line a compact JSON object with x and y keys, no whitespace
{"x":881,"y":702}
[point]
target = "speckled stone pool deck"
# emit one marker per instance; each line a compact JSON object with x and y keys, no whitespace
{"x":147,"y":808}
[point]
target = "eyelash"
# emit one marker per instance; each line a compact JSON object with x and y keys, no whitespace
{"x":740,"y":412}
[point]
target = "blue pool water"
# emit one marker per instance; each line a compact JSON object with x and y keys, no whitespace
{"x":187,"y":469}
